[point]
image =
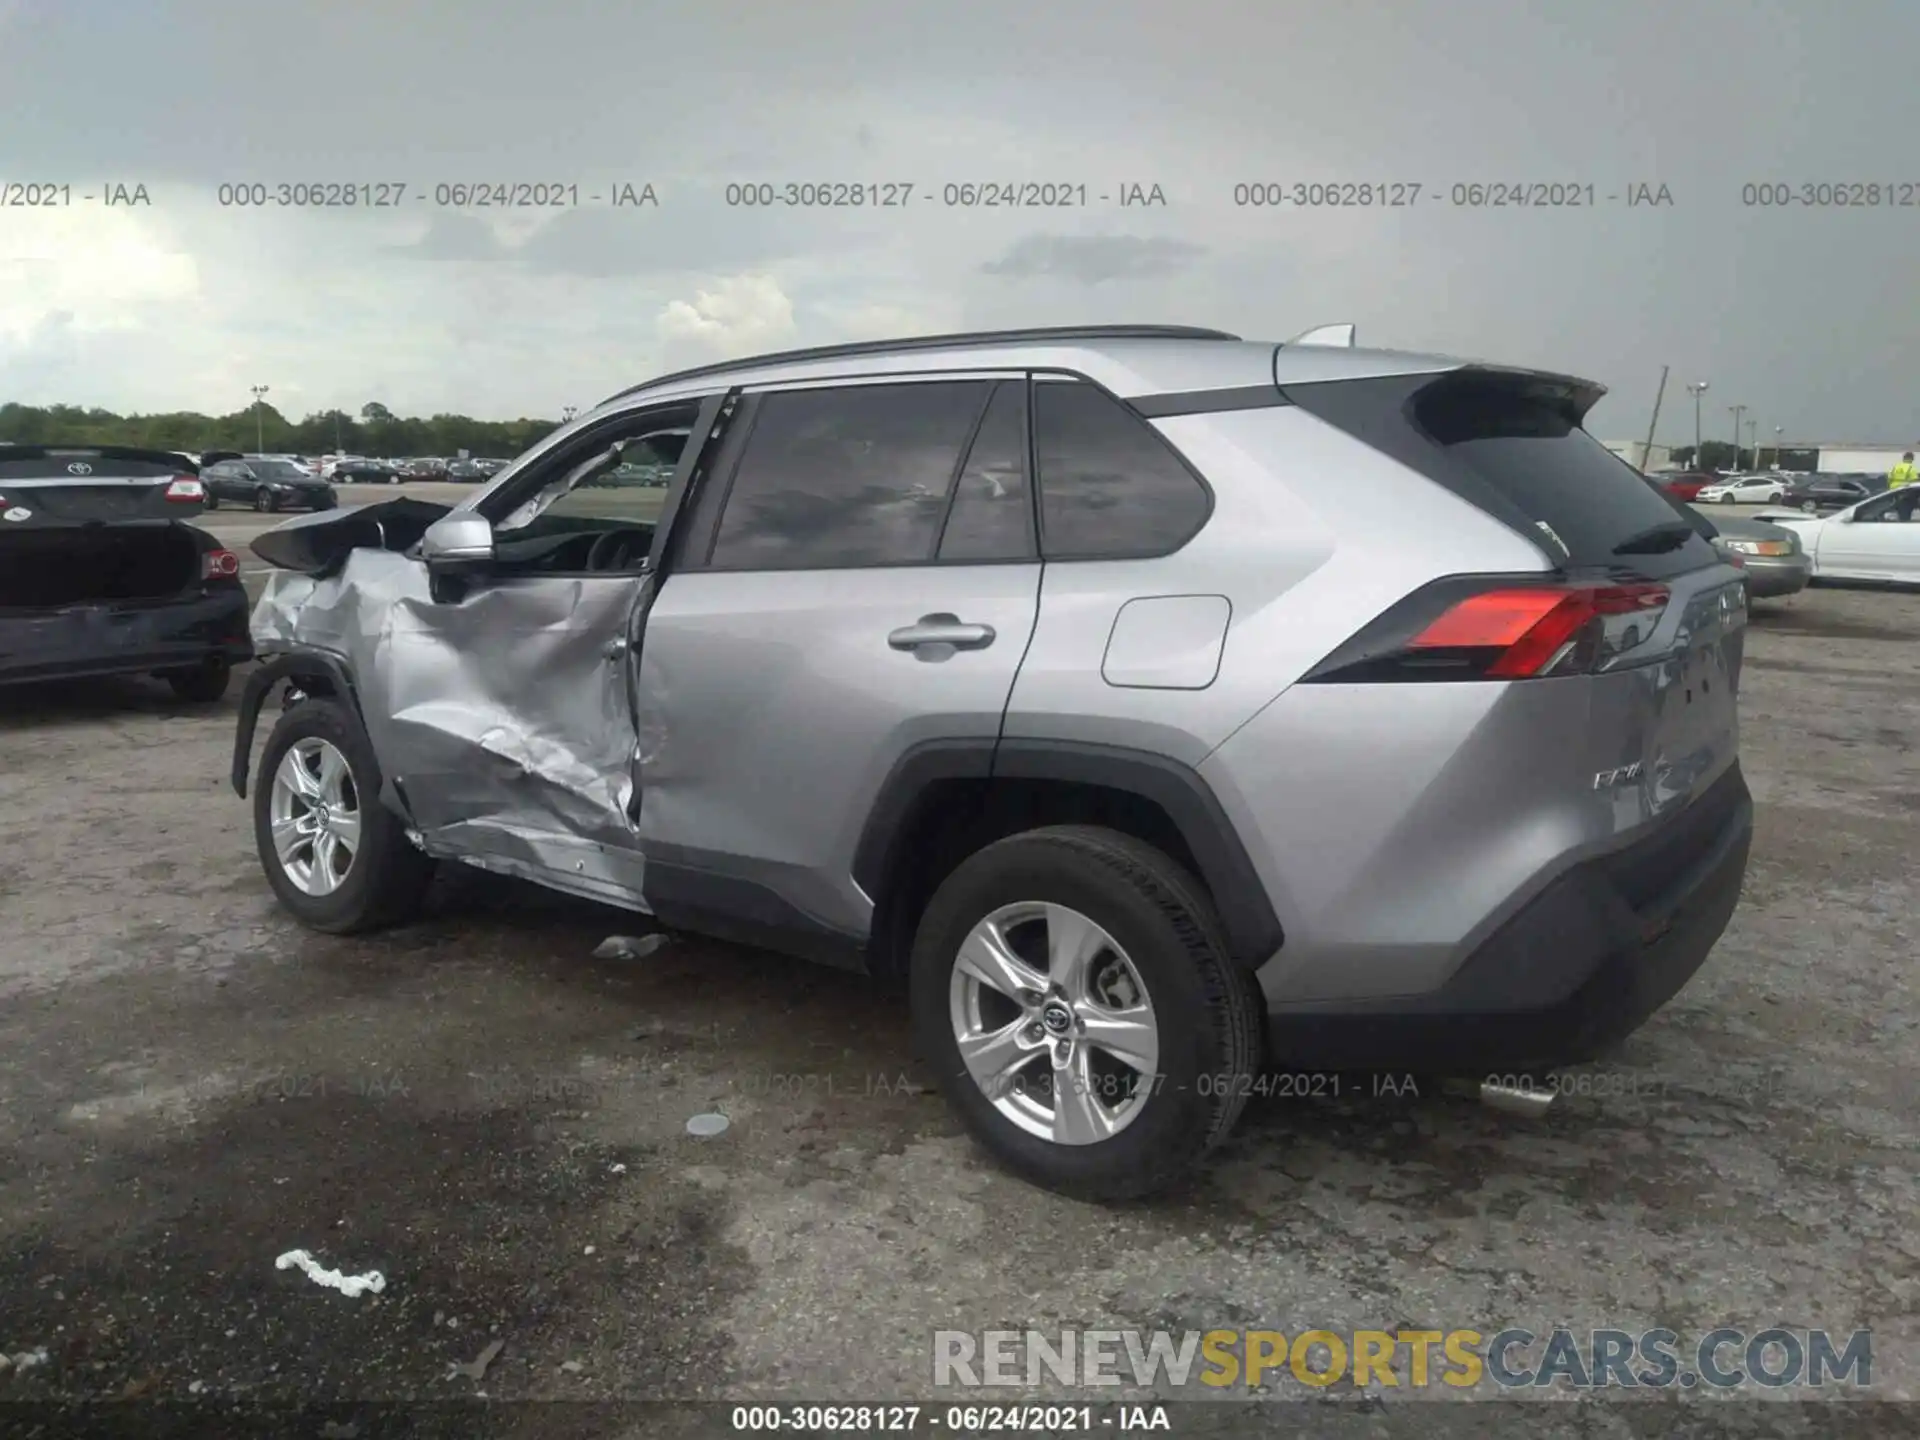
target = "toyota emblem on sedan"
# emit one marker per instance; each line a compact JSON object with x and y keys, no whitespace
{"x":79,"y":467}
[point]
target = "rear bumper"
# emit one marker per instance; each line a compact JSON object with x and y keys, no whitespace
{"x":1577,"y":970}
{"x":85,"y":640}
{"x":1770,"y":576}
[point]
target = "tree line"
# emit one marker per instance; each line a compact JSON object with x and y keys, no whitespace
{"x":375,"y":431}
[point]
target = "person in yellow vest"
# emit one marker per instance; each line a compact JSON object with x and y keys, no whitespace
{"x":1905,"y":473}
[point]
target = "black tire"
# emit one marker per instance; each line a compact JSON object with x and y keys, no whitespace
{"x":213,"y":501}
{"x":265,"y":501}
{"x":388,"y":877}
{"x":1811,"y":507}
{"x":202,"y":684}
{"x":1207,"y":1017}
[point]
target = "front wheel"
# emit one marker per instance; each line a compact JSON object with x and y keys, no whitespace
{"x":1812,"y":507}
{"x":335,"y":856}
{"x":264,"y":501}
{"x":1073,"y":992}
{"x":213,"y":501}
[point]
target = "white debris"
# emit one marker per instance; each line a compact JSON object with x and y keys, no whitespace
{"x":196,"y":1387}
{"x":628,"y":947}
{"x":619,"y":1169}
{"x":572,"y":1367}
{"x":708,"y":1125}
{"x":27,"y":1359}
{"x":348,"y":1285}
{"x":587,"y":1251}
{"x":477,"y":1368}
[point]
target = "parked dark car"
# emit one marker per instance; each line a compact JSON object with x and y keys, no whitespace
{"x":469,"y":472}
{"x":265,"y":484}
{"x":424,"y":469}
{"x":1827,"y":492}
{"x":100,"y":574}
{"x":367,"y":472}
{"x":492,"y":467}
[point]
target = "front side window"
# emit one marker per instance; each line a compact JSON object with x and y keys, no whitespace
{"x":847,"y":477}
{"x":1110,"y":487}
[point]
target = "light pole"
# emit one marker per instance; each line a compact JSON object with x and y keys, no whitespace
{"x":1696,"y":388}
{"x":1778,"y":431}
{"x":1736,"y":411}
{"x":1753,"y":441}
{"x":568,"y":412}
{"x":259,"y":420}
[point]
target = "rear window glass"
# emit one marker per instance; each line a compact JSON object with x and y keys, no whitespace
{"x":59,"y":465}
{"x":1515,"y":448}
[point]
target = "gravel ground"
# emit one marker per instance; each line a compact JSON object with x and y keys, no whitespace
{"x":191,"y":1085}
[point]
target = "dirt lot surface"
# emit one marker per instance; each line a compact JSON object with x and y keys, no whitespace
{"x":191,"y":1085}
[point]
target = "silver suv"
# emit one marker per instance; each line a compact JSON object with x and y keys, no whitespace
{"x":1156,"y":705}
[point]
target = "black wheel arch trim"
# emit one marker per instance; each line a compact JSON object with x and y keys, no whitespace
{"x":285,"y":665}
{"x":1253,"y":929}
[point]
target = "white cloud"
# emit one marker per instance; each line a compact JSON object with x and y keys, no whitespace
{"x":737,"y":315}
{"x":104,"y":268}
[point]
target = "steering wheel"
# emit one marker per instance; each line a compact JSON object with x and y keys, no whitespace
{"x":617,"y":550}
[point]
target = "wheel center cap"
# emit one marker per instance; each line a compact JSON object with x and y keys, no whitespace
{"x":1056,"y":1017}
{"x":322,"y":816}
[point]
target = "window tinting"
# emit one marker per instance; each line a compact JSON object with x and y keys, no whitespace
{"x":847,"y":477}
{"x":992,"y":514}
{"x":1514,"y":448}
{"x":1109,"y":486}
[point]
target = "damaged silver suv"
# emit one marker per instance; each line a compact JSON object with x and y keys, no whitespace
{"x":1156,"y":705}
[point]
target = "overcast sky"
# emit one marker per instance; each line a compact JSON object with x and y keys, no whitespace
{"x":1808,"y":316}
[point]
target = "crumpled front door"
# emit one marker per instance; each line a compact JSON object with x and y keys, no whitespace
{"x":509,"y":728}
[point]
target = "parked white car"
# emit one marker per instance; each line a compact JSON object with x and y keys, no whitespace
{"x":1875,"y":539}
{"x":1746,"y":490}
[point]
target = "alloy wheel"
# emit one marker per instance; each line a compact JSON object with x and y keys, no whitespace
{"x":314,"y":812}
{"x":1053,"y":1023}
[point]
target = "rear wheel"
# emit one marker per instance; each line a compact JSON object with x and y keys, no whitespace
{"x":337,"y":858}
{"x":1812,"y":507}
{"x":1072,"y":990}
{"x":201,"y":684}
{"x":213,"y":500}
{"x":265,"y":502}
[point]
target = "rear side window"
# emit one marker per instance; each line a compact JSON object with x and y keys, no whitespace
{"x":847,"y":477}
{"x":1110,"y":487}
{"x":991,"y":517}
{"x":1514,"y":447}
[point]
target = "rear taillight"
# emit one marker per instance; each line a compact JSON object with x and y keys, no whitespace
{"x":1463,"y":629}
{"x":186,"y":488}
{"x":219,"y":565}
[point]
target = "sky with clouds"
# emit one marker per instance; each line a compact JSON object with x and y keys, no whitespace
{"x":1810,"y":316}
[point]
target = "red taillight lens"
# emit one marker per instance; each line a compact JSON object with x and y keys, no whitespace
{"x":185,"y":488}
{"x":1537,"y":630}
{"x":219,"y":565}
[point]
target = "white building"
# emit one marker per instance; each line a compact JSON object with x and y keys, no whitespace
{"x":1861,"y":459}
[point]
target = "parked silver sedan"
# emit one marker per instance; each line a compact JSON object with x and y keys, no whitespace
{"x":1777,"y":564}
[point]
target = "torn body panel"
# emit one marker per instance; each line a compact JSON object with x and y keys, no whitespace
{"x":502,"y":720}
{"x":319,"y":543}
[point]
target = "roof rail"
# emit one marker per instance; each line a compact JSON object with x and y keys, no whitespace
{"x":1044,"y":335}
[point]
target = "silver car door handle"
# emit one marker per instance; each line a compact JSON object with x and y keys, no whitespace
{"x":942,"y":630}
